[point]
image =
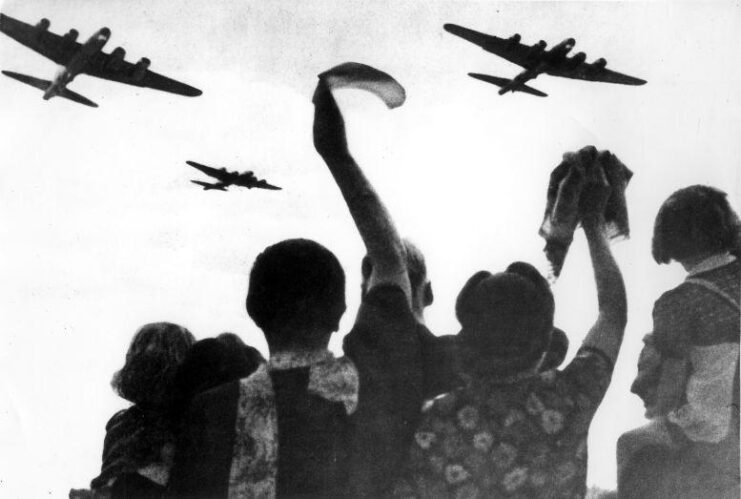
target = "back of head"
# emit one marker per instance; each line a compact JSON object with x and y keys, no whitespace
{"x":508,"y":315}
{"x":296,"y":284}
{"x":694,"y":222}
{"x":152,"y":360}
{"x":213,"y":362}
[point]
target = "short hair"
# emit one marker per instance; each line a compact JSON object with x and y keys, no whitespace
{"x":156,"y":351}
{"x":694,"y":221}
{"x":415,"y":262}
{"x":296,"y":281}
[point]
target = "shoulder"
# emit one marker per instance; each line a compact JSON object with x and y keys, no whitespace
{"x":592,"y":358}
{"x":588,"y":376}
{"x":673,"y":309}
{"x":126,"y":420}
{"x":222,"y":398}
{"x":118,"y":418}
{"x":675,"y":299}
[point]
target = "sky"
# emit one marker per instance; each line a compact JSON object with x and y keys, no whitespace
{"x":101,"y":230}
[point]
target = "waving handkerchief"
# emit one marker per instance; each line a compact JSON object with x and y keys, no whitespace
{"x":362,"y":76}
{"x":567,"y":183}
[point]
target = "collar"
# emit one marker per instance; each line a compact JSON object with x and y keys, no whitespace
{"x":710,"y":263}
{"x":294,"y":360}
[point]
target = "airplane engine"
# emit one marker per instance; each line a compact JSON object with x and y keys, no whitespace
{"x":141,"y":68}
{"x":537,"y":49}
{"x":600,"y":63}
{"x":513,"y":40}
{"x":43,"y":25}
{"x":116,"y":58}
{"x":578,"y":59}
{"x":71,"y":35}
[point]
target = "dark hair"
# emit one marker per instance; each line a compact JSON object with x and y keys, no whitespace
{"x":213,"y":362}
{"x":296,"y":281}
{"x":152,"y":360}
{"x":507,"y":315}
{"x":694,"y":221}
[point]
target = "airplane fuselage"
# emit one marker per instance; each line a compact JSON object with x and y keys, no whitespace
{"x":542,"y":62}
{"x":77,"y":64}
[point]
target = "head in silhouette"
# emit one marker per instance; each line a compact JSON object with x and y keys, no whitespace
{"x":148,"y":375}
{"x":693,"y":224}
{"x":507,"y":319}
{"x":296,"y":295}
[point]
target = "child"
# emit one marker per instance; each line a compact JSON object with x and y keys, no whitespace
{"x":688,"y":370}
{"x":139,"y":441}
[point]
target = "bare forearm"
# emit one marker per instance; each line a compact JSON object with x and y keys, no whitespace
{"x":607,"y":332}
{"x":373,"y":221}
{"x":609,"y":279}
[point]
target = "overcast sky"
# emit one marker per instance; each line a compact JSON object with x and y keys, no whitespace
{"x":101,"y":230}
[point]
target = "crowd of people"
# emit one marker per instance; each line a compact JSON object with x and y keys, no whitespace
{"x":487,"y":412}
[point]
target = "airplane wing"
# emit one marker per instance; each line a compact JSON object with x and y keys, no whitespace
{"x":262,"y":184}
{"x":52,"y":46}
{"x":222,"y":176}
{"x":105,"y":66}
{"x":509,"y":49}
{"x":249,"y":180}
{"x":595,"y":72}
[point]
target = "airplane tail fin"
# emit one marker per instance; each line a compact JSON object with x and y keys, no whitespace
{"x":45,"y":84}
{"x":502,"y":82}
{"x":29,"y":80}
{"x":74,"y":96}
{"x":207,"y":187}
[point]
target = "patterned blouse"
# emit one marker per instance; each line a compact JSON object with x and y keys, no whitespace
{"x":525,"y":436}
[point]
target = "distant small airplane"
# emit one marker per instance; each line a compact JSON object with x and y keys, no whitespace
{"x":87,"y":58}
{"x":536,"y":60}
{"x":226,"y":178}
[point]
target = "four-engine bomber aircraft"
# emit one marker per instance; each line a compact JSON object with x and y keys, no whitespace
{"x":226,"y":178}
{"x":536,"y":60}
{"x":87,"y":58}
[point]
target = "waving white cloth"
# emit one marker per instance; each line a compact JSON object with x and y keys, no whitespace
{"x":362,"y":76}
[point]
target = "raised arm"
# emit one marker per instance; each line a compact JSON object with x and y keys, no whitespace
{"x":606,"y":334}
{"x":382,"y":242}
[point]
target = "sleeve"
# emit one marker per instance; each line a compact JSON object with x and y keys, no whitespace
{"x":673,"y":329}
{"x":384,"y":345}
{"x":589,"y":375}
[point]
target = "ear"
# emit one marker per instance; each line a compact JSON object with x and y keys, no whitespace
{"x":428,"y":297}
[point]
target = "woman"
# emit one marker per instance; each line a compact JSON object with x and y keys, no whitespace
{"x":139,"y":442}
{"x":516,"y":430}
{"x":688,"y":370}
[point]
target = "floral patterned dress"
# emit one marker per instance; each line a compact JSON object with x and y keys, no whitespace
{"x":525,"y":436}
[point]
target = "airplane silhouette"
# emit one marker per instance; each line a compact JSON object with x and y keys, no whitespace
{"x":226,"y":178}
{"x":87,"y":58}
{"x":536,"y":60}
